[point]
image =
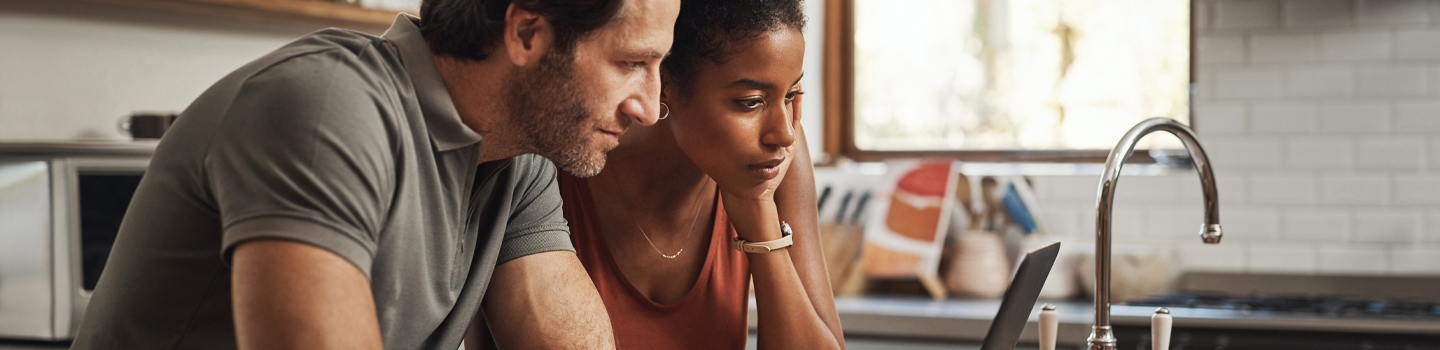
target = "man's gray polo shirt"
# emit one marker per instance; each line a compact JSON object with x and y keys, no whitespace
{"x":342,"y":140}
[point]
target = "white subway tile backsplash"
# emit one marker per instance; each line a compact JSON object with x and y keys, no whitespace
{"x":1388,"y":226}
{"x":1322,"y":120}
{"x":1393,"y":12}
{"x":1068,"y":188}
{"x":1355,"y":46}
{"x":1417,"y":117}
{"x":1434,"y":153}
{"x":1355,"y":118}
{"x":1282,"y":188}
{"x":1248,"y":83}
{"x":1320,"y":82}
{"x":1220,"y":118}
{"x":1391,"y":82}
{"x":1241,"y":223}
{"x":1432,"y":80}
{"x":1317,"y":224}
{"x":1390,"y":153}
{"x":1212,"y":257}
{"x":1175,"y":221}
{"x":1243,"y":153}
{"x":1201,"y":13}
{"x":1205,"y":92}
{"x":1233,"y":187}
{"x":1063,"y":221}
{"x":1432,"y":225}
{"x":1247,"y":14}
{"x":1220,"y":49}
{"x":1414,"y":260}
{"x":1319,"y":153}
{"x":1434,"y":10}
{"x":1304,"y":13}
{"x":1417,"y":44}
{"x":1349,"y":258}
{"x":1146,"y":189}
{"x":1284,"y":48}
{"x":1417,"y":190}
{"x":1355,"y":189}
{"x":1283,"y":119}
{"x":1280,"y":258}
{"x":1126,"y":221}
{"x":1086,"y":226}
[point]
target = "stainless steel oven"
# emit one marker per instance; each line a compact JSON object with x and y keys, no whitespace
{"x":60,"y":208}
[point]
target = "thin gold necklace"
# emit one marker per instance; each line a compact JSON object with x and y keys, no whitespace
{"x":689,"y":232}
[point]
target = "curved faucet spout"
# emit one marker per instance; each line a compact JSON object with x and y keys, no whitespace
{"x":1101,"y":336}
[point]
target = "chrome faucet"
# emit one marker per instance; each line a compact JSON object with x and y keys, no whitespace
{"x":1101,"y":335}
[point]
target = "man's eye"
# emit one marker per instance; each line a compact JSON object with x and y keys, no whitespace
{"x":635,"y":64}
{"x":750,"y":103}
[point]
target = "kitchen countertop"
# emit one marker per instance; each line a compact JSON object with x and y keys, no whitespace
{"x":947,"y":320}
{"x":969,"y":319}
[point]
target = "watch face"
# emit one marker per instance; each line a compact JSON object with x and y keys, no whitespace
{"x":785,"y":228}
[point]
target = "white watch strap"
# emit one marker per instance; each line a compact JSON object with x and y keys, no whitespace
{"x":786,"y":240}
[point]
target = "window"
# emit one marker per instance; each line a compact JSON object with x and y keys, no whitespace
{"x":1006,"y":79}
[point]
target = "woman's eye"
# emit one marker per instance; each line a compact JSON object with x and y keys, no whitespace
{"x":750,"y":103}
{"x":791,"y":96}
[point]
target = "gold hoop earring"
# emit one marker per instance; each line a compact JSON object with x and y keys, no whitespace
{"x":667,"y":110}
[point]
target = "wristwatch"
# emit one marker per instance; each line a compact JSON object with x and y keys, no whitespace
{"x":785,"y":241}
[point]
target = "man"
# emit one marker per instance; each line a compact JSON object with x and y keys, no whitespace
{"x":326,"y":196}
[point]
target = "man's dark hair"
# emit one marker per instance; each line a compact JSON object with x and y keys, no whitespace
{"x":709,"y":31}
{"x":471,"y":29}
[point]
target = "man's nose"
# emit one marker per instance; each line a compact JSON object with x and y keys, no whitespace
{"x":644,"y":106}
{"x":641,"y":111}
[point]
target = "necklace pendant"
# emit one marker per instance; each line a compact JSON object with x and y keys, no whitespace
{"x":672,"y":256}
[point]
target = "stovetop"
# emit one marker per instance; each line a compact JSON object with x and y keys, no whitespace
{"x":1303,"y":306}
{"x":1275,"y":322}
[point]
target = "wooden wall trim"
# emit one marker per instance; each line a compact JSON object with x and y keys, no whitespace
{"x":838,"y":64}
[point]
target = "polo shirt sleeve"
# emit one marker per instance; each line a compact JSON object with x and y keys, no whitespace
{"x":303,"y":155}
{"x":536,"y":223}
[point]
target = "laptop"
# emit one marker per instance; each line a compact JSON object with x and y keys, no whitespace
{"x":1020,"y":298}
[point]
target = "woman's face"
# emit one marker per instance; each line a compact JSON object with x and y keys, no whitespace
{"x":737,"y":123}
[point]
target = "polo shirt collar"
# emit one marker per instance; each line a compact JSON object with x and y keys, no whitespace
{"x":447,"y":132}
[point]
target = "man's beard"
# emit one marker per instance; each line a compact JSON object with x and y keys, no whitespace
{"x":548,"y":110}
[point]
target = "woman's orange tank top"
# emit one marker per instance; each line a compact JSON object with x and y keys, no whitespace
{"x":712,"y":315}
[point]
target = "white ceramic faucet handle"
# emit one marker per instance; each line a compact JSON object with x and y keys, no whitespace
{"x":1049,"y":326}
{"x":1160,"y":329}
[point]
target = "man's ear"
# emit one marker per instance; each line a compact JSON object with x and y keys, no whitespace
{"x":528,"y":36}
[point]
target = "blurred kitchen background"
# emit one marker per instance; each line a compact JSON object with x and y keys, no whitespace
{"x":1321,"y":118}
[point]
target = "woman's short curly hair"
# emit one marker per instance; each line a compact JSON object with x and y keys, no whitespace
{"x":709,"y":31}
{"x":471,"y":29}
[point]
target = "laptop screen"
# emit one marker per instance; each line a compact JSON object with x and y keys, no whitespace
{"x":1020,"y":299}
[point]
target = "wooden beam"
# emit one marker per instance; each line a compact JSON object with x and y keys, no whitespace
{"x":838,"y":64}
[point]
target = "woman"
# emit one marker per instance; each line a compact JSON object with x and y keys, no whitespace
{"x":655,"y":229}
